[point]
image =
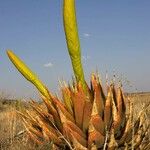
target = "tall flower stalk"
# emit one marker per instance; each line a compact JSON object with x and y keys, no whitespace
{"x":72,"y":39}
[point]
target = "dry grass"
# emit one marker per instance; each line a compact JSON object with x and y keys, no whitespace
{"x":12,"y":131}
{"x":140,"y":100}
{"x":11,"y":127}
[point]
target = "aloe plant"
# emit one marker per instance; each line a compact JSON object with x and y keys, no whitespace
{"x":81,"y":122}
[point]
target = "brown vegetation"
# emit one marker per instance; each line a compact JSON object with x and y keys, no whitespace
{"x":12,"y":132}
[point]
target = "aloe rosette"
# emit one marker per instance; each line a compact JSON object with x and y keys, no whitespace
{"x":86,"y":118}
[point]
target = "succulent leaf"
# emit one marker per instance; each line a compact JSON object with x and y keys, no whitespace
{"x":66,"y":93}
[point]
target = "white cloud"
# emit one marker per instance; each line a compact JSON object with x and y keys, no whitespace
{"x":86,"y":35}
{"x":85,"y":58}
{"x":48,"y":65}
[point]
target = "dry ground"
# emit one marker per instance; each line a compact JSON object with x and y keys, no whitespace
{"x":12,"y":136}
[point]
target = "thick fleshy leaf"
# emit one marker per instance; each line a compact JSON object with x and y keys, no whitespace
{"x":120,"y":101}
{"x":128,"y":126}
{"x":62,"y":107}
{"x":69,"y":134}
{"x":98,"y":124}
{"x":70,"y":129}
{"x":95,"y":137}
{"x":98,"y":94}
{"x":121,"y":108}
{"x":87,"y":115}
{"x":79,"y":98}
{"x":108,"y":110}
{"x":96,"y":119}
{"x":116,"y":117}
{"x":70,"y":124}
{"x":66,"y":93}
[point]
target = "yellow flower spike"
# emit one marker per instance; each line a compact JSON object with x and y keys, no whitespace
{"x":27,"y":73}
{"x":72,"y":39}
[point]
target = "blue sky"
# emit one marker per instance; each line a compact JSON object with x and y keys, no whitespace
{"x":115,"y":38}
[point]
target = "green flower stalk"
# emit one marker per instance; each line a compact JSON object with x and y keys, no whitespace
{"x":72,"y":39}
{"x":27,"y":73}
